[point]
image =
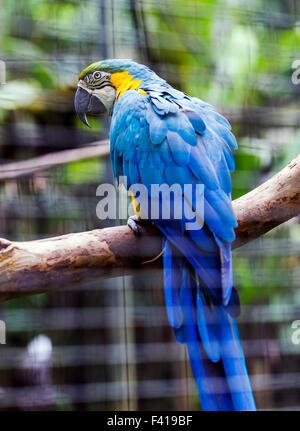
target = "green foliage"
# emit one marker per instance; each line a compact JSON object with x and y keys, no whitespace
{"x":84,"y":171}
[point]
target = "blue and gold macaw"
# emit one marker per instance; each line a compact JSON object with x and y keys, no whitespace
{"x":160,"y":135}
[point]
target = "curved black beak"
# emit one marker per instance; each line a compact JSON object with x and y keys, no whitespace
{"x":87,"y":103}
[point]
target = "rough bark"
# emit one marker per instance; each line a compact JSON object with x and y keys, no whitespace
{"x":32,"y":267}
{"x":272,"y":203}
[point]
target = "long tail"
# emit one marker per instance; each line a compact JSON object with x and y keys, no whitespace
{"x":210,"y":334}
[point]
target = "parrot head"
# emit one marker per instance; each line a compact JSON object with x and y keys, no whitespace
{"x":95,"y":93}
{"x":102,"y":83}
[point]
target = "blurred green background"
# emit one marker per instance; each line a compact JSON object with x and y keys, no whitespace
{"x":108,"y":345}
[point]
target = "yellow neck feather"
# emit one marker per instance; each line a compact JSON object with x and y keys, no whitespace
{"x":122,"y":81}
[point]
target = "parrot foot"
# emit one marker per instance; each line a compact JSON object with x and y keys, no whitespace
{"x":136,"y":224}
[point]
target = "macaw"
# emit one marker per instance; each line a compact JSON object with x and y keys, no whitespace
{"x":161,"y":135}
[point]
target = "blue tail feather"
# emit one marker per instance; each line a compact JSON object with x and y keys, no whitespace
{"x":202,"y":322}
{"x":172,"y":288}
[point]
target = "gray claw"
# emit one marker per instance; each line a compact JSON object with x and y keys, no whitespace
{"x":135,"y":224}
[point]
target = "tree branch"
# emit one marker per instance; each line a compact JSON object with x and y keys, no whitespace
{"x":13,"y":170}
{"x":272,"y":203}
{"x":31,"y":267}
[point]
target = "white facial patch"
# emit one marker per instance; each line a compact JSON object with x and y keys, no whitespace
{"x":107,"y":95}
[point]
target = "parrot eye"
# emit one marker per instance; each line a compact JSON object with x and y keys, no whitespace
{"x":96,"y":75}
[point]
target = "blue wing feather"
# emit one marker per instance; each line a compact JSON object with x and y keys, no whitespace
{"x":202,"y":167}
{"x":180,"y":150}
{"x":229,"y":157}
{"x":196,"y":121}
